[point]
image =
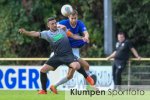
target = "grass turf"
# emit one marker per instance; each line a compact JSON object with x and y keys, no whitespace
{"x":29,"y":95}
{"x":32,"y":95}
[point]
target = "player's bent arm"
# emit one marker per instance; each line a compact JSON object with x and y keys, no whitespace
{"x":29,"y":33}
{"x":135,"y":53}
{"x":76,"y":37}
{"x":111,"y":56}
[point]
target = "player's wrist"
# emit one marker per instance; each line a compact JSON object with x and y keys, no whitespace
{"x":87,"y":37}
{"x":138,"y":56}
{"x":108,"y":58}
{"x":24,"y":32}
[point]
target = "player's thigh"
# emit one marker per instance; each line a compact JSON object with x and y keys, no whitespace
{"x":70,"y":73}
{"x":74,"y":65}
{"x":69,"y":60}
{"x":45,"y":68}
{"x":54,"y":62}
{"x":84,"y":63}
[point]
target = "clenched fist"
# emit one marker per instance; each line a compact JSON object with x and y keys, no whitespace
{"x":21,"y":30}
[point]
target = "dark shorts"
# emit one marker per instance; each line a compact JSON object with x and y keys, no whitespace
{"x":57,"y":60}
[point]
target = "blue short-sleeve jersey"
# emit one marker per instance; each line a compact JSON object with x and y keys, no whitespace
{"x":78,"y":30}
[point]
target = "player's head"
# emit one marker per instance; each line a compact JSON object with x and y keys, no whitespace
{"x":121,"y":36}
{"x":73,"y":17}
{"x":52,"y":24}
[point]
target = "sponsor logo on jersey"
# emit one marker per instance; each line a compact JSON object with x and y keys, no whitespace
{"x":57,"y":37}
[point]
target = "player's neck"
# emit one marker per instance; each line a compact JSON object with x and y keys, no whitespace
{"x":73,"y":25}
{"x":53,"y":30}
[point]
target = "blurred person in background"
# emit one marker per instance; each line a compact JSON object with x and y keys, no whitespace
{"x":121,"y":56}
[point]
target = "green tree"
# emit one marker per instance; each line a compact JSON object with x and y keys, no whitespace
{"x":133,"y":17}
{"x":32,"y":14}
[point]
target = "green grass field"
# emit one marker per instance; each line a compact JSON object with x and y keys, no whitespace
{"x":29,"y":95}
{"x":32,"y":95}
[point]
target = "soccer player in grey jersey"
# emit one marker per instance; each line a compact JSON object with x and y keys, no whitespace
{"x":58,"y":39}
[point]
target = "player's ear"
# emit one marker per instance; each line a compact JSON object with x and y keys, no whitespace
{"x":48,"y":25}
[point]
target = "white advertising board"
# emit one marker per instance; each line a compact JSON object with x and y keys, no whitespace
{"x":28,"y":78}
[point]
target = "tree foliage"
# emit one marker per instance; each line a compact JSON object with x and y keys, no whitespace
{"x":133,"y":17}
{"x":32,"y":14}
{"x":130,"y":16}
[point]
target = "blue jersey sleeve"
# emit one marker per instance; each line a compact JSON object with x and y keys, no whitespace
{"x":82,"y":27}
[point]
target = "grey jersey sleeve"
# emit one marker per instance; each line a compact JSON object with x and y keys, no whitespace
{"x":44,"y":35}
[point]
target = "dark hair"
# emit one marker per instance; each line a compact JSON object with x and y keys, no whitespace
{"x":122,"y":33}
{"x":51,"y":18}
{"x":74,"y":12}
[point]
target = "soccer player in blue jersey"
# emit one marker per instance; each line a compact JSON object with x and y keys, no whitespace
{"x":77,"y":27}
{"x":57,"y":37}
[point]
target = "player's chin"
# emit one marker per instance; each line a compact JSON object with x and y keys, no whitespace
{"x":55,"y":29}
{"x":73,"y":22}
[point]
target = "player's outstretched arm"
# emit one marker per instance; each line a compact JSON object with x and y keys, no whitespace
{"x":29,"y":33}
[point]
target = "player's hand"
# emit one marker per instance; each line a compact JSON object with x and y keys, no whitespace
{"x":87,"y":39}
{"x":107,"y":58}
{"x":61,"y":26}
{"x":21,"y":30}
{"x":139,"y":58}
{"x":84,"y":39}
